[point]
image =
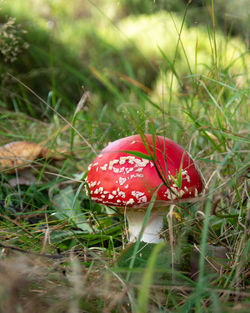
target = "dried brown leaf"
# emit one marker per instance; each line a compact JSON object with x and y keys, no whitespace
{"x":19,"y":154}
{"x":58,"y":155}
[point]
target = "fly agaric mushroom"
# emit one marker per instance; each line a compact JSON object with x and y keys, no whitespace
{"x":122,"y":176}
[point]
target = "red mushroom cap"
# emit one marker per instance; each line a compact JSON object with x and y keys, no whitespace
{"x":119,"y":178}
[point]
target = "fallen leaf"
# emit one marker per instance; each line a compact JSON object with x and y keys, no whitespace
{"x":56,"y":155}
{"x":19,"y":154}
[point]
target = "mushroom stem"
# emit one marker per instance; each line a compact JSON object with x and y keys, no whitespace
{"x":152,"y":229}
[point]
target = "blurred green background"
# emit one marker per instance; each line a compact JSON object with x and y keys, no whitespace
{"x":58,"y":46}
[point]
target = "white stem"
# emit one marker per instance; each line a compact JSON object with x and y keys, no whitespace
{"x":152,"y":229}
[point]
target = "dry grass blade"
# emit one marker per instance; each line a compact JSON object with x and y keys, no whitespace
{"x":171,"y":233}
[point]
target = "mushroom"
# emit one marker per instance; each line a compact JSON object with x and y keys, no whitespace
{"x":130,"y":170}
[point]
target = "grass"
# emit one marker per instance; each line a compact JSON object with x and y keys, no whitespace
{"x":59,"y":248}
